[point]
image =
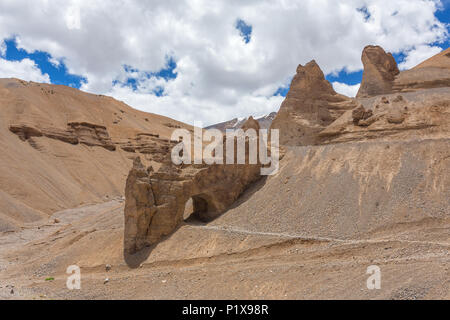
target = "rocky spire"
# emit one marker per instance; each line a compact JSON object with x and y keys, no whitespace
{"x":380,"y":70}
{"x":310,"y":105}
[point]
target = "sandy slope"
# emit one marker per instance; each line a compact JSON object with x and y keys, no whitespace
{"x":51,"y":175}
{"x":314,"y":240}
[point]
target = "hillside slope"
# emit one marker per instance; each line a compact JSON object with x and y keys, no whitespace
{"x":62,"y":148}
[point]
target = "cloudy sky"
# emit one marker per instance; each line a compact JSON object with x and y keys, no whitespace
{"x":204,"y":60}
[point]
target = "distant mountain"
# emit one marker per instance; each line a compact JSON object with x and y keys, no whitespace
{"x":264,"y":122}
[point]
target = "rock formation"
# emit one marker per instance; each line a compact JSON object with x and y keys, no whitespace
{"x":379,"y":74}
{"x":92,"y":135}
{"x":310,"y":106}
{"x":360,"y":114}
{"x":406,"y":105}
{"x":84,"y":133}
{"x":155,"y":201}
{"x":148,"y":144}
{"x":97,"y":136}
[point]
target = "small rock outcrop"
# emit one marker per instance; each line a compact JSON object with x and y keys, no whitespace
{"x":380,"y":70}
{"x":92,"y":135}
{"x":155,"y":201}
{"x":310,"y":106}
{"x":148,"y":144}
{"x":360,"y":113}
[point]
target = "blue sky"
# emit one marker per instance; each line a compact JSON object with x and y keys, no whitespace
{"x":211,"y":62}
{"x":57,"y":70}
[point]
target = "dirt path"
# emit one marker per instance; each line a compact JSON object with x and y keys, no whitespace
{"x":219,"y":262}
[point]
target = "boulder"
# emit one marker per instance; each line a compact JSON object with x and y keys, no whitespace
{"x":360,"y":113}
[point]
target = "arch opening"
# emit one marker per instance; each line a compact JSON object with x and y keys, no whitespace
{"x":198,"y":209}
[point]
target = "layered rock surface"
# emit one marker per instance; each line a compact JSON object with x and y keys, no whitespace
{"x":432,"y":73}
{"x":423,"y":114}
{"x":84,"y":133}
{"x":414,"y":104}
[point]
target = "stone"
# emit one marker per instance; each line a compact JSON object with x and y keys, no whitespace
{"x":395,"y":117}
{"x":360,"y":113}
{"x":398,"y":99}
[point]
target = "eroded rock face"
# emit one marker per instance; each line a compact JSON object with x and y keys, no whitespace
{"x":92,"y":135}
{"x":155,"y":201}
{"x":379,"y":74}
{"x":310,"y":106}
{"x":84,"y":133}
{"x":148,"y":144}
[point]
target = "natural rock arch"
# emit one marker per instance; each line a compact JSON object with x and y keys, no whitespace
{"x":155,"y":201}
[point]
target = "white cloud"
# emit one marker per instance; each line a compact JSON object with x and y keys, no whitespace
{"x":55,"y":62}
{"x":2,"y":48}
{"x":73,"y":19}
{"x":25,"y":70}
{"x":418,"y":55}
{"x":219,"y":76}
{"x":345,"y":89}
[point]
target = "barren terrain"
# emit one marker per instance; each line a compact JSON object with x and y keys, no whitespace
{"x":362,"y":182}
